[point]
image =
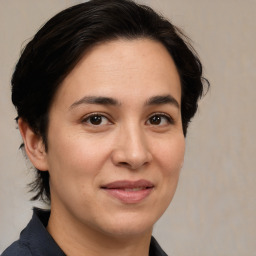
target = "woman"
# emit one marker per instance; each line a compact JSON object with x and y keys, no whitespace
{"x":104,"y":94}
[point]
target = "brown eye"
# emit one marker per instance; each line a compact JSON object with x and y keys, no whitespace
{"x":155,"y":120}
{"x":160,"y":119}
{"x":96,"y":120}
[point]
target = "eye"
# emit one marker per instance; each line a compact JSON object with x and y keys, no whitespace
{"x":159,"y":119}
{"x":96,"y":120}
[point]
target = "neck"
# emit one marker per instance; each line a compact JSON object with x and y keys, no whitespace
{"x":77,"y":239}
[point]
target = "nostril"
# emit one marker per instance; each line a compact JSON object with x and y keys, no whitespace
{"x":130,"y":157}
{"x":124,"y":164}
{"x":132,"y":166}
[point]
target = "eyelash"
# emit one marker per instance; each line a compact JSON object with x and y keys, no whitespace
{"x":101,"y":115}
{"x":167,"y":117}
{"x":160,"y":114}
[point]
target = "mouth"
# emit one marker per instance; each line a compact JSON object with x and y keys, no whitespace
{"x":129,"y":192}
{"x":134,"y":189}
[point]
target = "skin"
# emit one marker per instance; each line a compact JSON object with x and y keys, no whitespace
{"x":136,"y":138}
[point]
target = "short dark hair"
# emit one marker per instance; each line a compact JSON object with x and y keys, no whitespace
{"x":59,"y":45}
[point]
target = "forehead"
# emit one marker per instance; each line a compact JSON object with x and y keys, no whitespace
{"x":122,"y":68}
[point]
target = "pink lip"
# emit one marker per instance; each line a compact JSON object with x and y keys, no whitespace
{"x":129,"y":192}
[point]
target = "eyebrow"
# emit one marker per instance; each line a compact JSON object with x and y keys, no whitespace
{"x":95,"y":100}
{"x":99,"y":100}
{"x":161,"y":100}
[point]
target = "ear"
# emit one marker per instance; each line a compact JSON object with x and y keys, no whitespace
{"x":34,"y":146}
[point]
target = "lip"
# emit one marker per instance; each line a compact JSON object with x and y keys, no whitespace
{"x":129,"y":192}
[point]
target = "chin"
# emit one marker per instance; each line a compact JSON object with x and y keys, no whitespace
{"x":128,"y":231}
{"x":130,"y":225}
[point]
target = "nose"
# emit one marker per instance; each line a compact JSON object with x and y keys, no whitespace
{"x":131,"y":149}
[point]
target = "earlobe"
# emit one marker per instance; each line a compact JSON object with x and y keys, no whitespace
{"x":34,"y":146}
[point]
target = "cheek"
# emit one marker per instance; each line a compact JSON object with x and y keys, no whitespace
{"x":73,"y":166}
{"x":75,"y":161}
{"x":170,"y":158}
{"x":74,"y":150}
{"x":170,"y":155}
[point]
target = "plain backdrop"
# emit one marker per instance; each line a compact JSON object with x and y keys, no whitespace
{"x":214,"y":209}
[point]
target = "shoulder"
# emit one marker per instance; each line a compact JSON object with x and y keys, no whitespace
{"x":17,"y":249}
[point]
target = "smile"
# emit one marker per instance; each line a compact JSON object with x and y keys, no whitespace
{"x":133,"y":189}
{"x":129,"y":192}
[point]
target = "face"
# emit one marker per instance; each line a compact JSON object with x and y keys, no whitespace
{"x":115,"y":139}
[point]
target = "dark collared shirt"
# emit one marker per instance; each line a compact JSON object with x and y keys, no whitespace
{"x":36,"y":241}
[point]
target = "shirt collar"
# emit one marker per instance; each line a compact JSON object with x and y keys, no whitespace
{"x":40,"y":242}
{"x":37,"y":238}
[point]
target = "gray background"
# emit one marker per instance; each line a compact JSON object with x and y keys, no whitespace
{"x":214,"y":209}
